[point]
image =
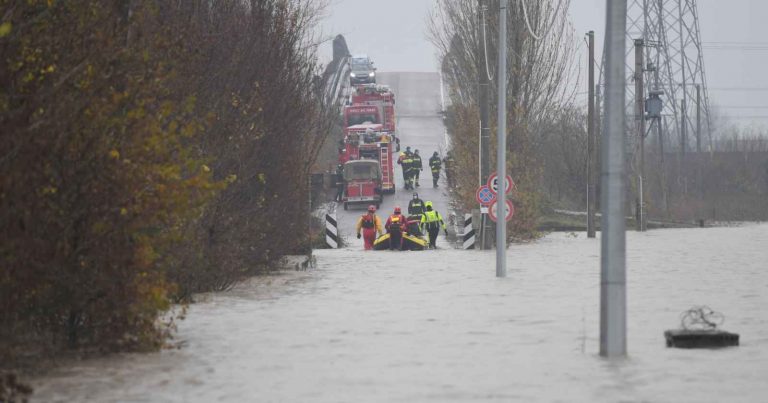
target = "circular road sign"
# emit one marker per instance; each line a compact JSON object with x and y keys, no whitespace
{"x":485,"y":196}
{"x":493,"y":210}
{"x":493,"y":183}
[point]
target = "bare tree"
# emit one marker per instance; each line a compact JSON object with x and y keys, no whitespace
{"x":541,"y":64}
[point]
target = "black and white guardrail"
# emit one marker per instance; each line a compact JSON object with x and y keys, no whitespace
{"x":331,"y":230}
{"x":469,"y":233}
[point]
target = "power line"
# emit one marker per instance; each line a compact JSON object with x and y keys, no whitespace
{"x":735,"y":43}
{"x":738,"y":88}
{"x":742,"y":107}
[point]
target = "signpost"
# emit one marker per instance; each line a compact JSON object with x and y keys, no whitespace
{"x":493,"y":211}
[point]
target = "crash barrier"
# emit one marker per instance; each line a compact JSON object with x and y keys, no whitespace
{"x":331,"y":230}
{"x":469,"y":233}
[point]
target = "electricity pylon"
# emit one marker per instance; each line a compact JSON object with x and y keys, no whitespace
{"x":673,"y":51}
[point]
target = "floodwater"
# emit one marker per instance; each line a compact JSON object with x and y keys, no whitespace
{"x":439,"y":326}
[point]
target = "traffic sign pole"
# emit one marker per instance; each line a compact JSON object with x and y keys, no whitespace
{"x":501,"y":158}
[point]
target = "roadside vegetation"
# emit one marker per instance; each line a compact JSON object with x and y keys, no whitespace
{"x":149,"y":150}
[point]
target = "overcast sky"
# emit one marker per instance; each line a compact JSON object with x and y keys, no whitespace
{"x":393,"y":33}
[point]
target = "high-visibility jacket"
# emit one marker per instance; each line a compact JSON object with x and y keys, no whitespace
{"x":431,"y":220}
{"x":395,"y":223}
{"x":407,"y":162}
{"x":365,"y":221}
{"x":417,"y":163}
{"x":435,"y":164}
{"x":416,"y":206}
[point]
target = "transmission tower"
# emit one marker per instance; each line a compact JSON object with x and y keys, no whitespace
{"x":675,"y":65}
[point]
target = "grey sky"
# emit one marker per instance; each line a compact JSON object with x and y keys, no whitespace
{"x":393,"y":33}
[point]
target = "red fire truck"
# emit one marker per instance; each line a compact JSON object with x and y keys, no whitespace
{"x":371,"y":103}
{"x":362,"y":181}
{"x":370,"y":142}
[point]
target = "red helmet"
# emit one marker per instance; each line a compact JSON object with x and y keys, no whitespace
{"x":397,"y":210}
{"x":372,"y":208}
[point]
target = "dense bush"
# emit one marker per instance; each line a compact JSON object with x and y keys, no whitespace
{"x":149,"y":150}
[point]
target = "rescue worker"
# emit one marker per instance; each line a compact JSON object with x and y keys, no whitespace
{"x":431,"y":222}
{"x":435,"y":164}
{"x":418,"y":166}
{"x":400,"y":160}
{"x":408,"y":169}
{"x":340,"y":183}
{"x":395,"y":227}
{"x":416,"y":206}
{"x":448,"y":163}
{"x":370,"y":225}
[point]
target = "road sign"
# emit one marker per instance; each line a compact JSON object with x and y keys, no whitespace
{"x":485,"y":196}
{"x":493,"y":183}
{"x":493,"y":210}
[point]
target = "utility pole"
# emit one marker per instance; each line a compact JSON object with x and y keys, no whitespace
{"x":699,"y":159}
{"x":485,"y":119}
{"x":613,"y":278}
{"x":501,"y":159}
{"x":698,"y":118}
{"x":640,"y":125}
{"x":591,"y":193}
{"x":683,"y":130}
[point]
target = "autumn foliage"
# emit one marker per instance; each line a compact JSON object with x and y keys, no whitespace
{"x":148,"y":150}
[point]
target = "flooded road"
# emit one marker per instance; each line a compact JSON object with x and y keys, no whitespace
{"x":438,"y":326}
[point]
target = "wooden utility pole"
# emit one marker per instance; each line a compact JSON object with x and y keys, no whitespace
{"x":485,"y":119}
{"x":640,"y":124}
{"x":591,"y":193}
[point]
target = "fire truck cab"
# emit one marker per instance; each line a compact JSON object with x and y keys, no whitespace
{"x":362,"y":181}
{"x":371,"y":103}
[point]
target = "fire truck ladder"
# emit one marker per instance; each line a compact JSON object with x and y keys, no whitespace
{"x":385,"y":164}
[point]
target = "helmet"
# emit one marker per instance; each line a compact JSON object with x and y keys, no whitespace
{"x":415,"y":195}
{"x":372,"y":208}
{"x":434,"y":154}
{"x":408,"y":148}
{"x":416,"y":151}
{"x":397,"y":210}
{"x":428,"y":204}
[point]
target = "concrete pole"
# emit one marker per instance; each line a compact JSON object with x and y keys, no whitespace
{"x":640,"y":124}
{"x":591,"y":193}
{"x":501,"y":168}
{"x":613,"y":297}
{"x":698,"y":118}
{"x":683,"y":132}
{"x":699,"y":159}
{"x":485,"y":119}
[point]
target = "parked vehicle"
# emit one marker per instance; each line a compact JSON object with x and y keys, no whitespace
{"x":362,"y":179}
{"x":372,"y":103}
{"x":369,"y":141}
